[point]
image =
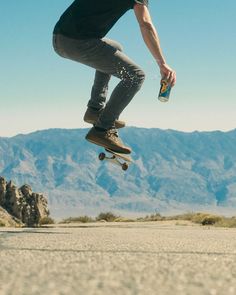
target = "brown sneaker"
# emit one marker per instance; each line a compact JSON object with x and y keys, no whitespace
{"x":91,"y":117}
{"x":108,"y":139}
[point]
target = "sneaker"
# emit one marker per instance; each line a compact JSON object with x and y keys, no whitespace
{"x":91,"y":116}
{"x":108,"y":139}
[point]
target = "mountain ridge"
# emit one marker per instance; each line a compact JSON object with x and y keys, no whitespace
{"x":129,"y":127}
{"x":172,"y":170}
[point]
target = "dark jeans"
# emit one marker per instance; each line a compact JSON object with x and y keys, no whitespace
{"x":107,"y":58}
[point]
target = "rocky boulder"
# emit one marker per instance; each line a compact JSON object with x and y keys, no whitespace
{"x":23,"y":203}
{"x":8,"y":220}
{"x":3,"y":186}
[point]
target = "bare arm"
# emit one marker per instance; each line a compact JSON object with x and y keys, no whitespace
{"x":152,"y":41}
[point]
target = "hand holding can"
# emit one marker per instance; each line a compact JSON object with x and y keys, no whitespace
{"x":165,"y":89}
{"x":167,"y":82}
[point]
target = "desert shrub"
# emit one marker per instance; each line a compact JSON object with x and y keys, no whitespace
{"x":226,"y":222}
{"x":142,"y":218}
{"x":210,"y":220}
{"x":156,"y":217}
{"x":152,"y":217}
{"x":46,"y":220}
{"x":200,"y":218}
{"x":186,"y":216}
{"x":79,"y":219}
{"x":206,"y":218}
{"x":107,"y":216}
{"x":124,"y":219}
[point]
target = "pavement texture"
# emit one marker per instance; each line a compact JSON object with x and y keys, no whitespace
{"x":118,"y":259}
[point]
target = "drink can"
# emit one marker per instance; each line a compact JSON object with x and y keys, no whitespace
{"x":165,"y":89}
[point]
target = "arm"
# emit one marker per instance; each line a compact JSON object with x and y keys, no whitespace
{"x":152,"y":41}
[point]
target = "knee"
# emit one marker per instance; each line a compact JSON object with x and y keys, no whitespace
{"x":137,"y":78}
{"x":118,"y":46}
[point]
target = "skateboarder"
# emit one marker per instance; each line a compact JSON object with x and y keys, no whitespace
{"x":80,"y":35}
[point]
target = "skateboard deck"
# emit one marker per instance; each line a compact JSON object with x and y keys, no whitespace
{"x":122,"y":160}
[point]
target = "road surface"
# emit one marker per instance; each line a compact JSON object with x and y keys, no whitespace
{"x":118,"y":259}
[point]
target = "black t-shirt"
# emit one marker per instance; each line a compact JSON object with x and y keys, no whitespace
{"x":86,"y":19}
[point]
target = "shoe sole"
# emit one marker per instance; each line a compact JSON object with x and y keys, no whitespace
{"x":107,"y":147}
{"x":93,"y":122}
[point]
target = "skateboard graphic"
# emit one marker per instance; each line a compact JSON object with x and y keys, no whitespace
{"x":122,"y":160}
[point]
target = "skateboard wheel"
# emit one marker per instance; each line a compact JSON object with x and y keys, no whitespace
{"x":125,"y":166}
{"x":101,"y":156}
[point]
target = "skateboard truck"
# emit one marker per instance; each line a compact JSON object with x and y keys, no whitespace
{"x":116,"y":158}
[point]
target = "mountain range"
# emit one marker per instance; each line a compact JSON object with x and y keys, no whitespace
{"x":172,"y":171}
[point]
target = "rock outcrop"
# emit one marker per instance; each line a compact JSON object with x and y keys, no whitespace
{"x":22,"y":203}
{"x":8,"y":220}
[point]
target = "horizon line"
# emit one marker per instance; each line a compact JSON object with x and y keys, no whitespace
{"x":129,"y":127}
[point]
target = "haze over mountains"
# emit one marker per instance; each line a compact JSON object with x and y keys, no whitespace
{"x":172,"y":171}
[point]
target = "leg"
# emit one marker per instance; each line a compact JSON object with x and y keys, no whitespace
{"x":99,"y":91}
{"x":100,"y":86}
{"x":132,"y":78}
{"x":105,"y":58}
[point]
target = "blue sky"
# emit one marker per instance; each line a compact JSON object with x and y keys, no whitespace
{"x":40,"y":90}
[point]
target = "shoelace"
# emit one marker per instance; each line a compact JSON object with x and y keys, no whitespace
{"x":113,"y":134}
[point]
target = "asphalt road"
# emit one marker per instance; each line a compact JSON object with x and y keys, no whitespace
{"x":118,"y":259}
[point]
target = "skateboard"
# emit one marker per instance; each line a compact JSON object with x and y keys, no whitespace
{"x":122,"y":160}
